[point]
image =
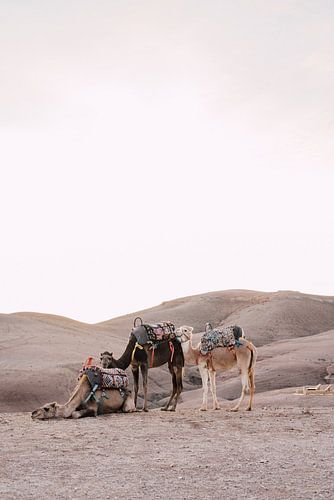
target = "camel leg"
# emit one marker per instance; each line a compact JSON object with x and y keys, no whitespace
{"x":215,"y":404}
{"x":251,"y":389}
{"x":86,"y":412}
{"x":135,"y":374}
{"x":128,"y":405}
{"x":179,"y":386}
{"x":144,"y":373}
{"x":171,"y":371}
{"x":244,"y":382}
{"x":205,"y":375}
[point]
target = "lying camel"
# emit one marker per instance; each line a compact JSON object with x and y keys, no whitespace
{"x":77,"y":408}
{"x":220,"y":359}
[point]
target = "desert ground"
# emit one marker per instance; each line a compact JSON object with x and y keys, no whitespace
{"x":282,"y":449}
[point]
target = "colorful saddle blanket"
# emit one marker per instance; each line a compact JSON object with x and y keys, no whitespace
{"x":153,"y":334}
{"x":106,"y":378}
{"x":161,"y":331}
{"x":226,"y":336}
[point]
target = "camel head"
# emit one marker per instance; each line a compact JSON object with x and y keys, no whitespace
{"x":45,"y":412}
{"x":106,"y":359}
{"x":184,"y":333}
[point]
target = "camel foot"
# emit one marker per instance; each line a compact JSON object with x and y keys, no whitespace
{"x":172,"y":409}
{"x":203,"y":408}
{"x":249,"y":408}
{"x":216,"y":407}
{"x":164,"y":408}
{"x":145,"y":410}
{"x":76,"y":414}
{"x":234,"y":409}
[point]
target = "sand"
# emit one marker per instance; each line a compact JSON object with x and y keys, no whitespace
{"x":270,"y":453}
{"x":283,"y":449}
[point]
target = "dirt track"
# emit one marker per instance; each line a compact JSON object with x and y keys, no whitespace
{"x":284,"y":453}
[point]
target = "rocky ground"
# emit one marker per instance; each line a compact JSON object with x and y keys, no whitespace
{"x":282,"y":450}
{"x":268,"y":453}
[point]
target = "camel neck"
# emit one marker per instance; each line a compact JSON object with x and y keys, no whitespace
{"x":124,"y":361}
{"x":189,"y":353}
{"x":80,"y":392}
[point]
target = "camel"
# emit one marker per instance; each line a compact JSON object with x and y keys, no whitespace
{"x":76,"y":407}
{"x":220,"y":359}
{"x":146,"y":356}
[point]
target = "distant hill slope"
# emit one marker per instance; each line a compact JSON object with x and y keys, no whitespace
{"x":40,"y":354}
{"x":264,"y":316}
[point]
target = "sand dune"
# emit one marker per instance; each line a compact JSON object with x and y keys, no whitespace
{"x":41,"y":354}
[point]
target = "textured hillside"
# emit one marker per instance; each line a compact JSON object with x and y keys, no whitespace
{"x":41,"y":354}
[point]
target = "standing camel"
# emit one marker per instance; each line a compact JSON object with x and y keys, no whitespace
{"x":148,"y":356}
{"x":220,"y":359}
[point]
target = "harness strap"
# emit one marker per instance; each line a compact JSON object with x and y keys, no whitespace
{"x":197,"y":356}
{"x":137,"y":346}
{"x":92,"y":394}
{"x":100,"y":403}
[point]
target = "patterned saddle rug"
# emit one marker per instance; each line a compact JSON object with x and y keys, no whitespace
{"x":227,"y":336}
{"x":161,"y":331}
{"x":153,"y":334}
{"x":106,"y":378}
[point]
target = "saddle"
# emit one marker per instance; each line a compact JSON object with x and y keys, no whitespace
{"x":105,"y":378}
{"x":227,"y":336}
{"x":153,"y":334}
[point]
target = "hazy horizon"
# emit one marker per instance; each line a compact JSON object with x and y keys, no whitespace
{"x":154,"y":150}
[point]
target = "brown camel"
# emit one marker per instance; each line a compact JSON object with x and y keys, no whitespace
{"x":76,"y":408}
{"x":147,"y":356}
{"x":220,"y":359}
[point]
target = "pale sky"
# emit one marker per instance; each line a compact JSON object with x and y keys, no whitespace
{"x":156,"y":149}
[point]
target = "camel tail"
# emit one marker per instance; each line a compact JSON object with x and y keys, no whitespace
{"x":247,"y":374}
{"x":252,"y":349}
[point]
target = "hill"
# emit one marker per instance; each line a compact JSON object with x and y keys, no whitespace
{"x":41,"y":354}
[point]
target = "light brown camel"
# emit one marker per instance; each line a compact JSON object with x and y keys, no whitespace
{"x":76,"y":408}
{"x":220,"y":359}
